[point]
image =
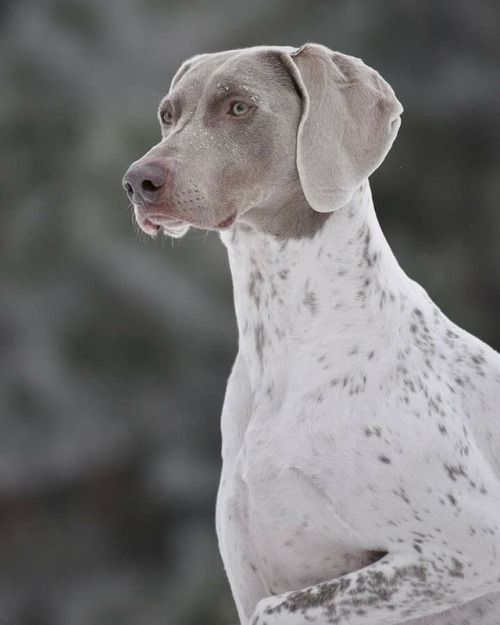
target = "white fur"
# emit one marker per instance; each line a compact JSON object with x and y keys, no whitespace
{"x":357,"y":419}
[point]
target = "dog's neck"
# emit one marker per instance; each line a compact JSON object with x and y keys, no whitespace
{"x":337,"y":290}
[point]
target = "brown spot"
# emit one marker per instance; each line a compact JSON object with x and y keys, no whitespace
{"x":310,"y":301}
{"x":260,"y":339}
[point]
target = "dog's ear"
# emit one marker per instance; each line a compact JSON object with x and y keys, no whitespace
{"x":349,"y":120}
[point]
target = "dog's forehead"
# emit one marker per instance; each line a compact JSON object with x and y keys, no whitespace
{"x":244,"y":68}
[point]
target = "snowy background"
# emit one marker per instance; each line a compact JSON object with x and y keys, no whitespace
{"x":115,"y":349}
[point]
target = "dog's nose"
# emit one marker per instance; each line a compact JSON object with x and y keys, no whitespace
{"x":144,"y":181}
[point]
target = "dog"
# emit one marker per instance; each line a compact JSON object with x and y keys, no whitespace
{"x":360,"y":426}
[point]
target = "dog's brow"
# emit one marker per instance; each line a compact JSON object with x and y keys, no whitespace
{"x":223,"y":90}
{"x":163,"y":105}
{"x":233,"y":86}
{"x":175,"y":101}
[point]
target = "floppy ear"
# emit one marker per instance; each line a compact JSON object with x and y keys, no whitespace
{"x":349,"y":120}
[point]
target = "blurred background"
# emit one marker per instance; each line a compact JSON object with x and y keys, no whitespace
{"x":114,"y":348}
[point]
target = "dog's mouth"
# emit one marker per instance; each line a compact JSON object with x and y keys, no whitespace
{"x":226,"y":223}
{"x":153,"y":224}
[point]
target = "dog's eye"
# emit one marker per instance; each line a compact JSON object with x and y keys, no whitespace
{"x":166,"y":117}
{"x":239,"y":108}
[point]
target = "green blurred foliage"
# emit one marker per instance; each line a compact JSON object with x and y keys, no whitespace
{"x":116,"y":349}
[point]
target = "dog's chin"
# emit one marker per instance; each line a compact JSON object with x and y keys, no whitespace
{"x":156,"y":223}
{"x":179,"y":230}
{"x":153,"y":224}
{"x":176,"y":232}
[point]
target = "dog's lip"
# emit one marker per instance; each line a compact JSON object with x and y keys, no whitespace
{"x":153,"y":223}
{"x":227,"y":222}
{"x":164,"y":221}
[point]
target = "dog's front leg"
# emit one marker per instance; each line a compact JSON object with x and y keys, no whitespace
{"x":235,"y":542}
{"x":237,"y":553}
{"x":395,"y":589}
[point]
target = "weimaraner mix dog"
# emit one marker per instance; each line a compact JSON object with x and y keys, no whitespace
{"x":361,"y":427}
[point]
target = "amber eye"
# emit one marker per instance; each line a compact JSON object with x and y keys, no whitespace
{"x":166,"y":117}
{"x":239,"y":108}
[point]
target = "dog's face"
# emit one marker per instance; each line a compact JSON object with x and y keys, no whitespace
{"x":254,"y":132}
{"x":229,"y":128}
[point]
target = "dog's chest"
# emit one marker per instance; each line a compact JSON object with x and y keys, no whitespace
{"x":293,"y":510}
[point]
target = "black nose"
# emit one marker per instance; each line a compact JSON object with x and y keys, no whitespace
{"x":144,"y":181}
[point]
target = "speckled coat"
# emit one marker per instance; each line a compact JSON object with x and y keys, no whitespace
{"x":361,"y":429}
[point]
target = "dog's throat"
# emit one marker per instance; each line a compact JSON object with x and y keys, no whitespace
{"x":297,"y":298}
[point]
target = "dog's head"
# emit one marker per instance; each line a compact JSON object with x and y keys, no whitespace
{"x":250,"y":129}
